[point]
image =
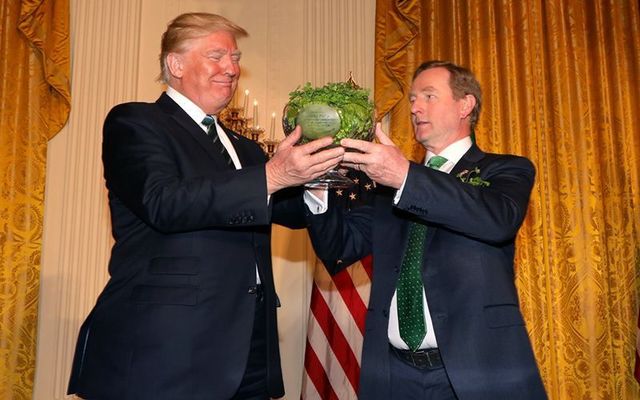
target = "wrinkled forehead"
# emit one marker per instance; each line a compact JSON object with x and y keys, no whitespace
{"x":437,"y":78}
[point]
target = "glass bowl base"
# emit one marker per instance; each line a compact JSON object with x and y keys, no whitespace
{"x":331,"y":180}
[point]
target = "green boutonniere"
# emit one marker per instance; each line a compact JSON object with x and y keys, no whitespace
{"x":472,"y":177}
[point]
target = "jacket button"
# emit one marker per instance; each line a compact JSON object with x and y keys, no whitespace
{"x":252,"y":290}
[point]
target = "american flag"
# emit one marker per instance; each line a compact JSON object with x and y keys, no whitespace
{"x":337,"y":318}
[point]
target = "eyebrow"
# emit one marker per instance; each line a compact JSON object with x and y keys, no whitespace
{"x":223,"y":51}
{"x":429,"y":89}
{"x":425,"y":89}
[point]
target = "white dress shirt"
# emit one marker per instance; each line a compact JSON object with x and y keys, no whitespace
{"x":453,"y":153}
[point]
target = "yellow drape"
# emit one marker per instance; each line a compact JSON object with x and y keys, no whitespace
{"x":34,"y":106}
{"x":560,"y":83}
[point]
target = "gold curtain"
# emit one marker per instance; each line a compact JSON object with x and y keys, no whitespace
{"x":34,"y":106}
{"x":560,"y":83}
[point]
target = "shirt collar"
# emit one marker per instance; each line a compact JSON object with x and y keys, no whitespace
{"x":454,"y":152}
{"x":188,"y":106}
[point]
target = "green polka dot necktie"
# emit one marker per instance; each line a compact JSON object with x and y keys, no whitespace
{"x":409,"y":296}
{"x":212,"y":132}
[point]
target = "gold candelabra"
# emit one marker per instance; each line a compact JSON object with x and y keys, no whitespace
{"x":235,"y":119}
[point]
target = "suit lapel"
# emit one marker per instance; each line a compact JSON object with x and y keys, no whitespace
{"x":244,"y":152}
{"x":469,"y":160}
{"x":179,"y":116}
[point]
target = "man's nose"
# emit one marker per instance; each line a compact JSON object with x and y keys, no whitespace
{"x":416,"y":107}
{"x":230,"y":68}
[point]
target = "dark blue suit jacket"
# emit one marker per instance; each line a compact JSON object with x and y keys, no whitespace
{"x":175,"y":319}
{"x":468,"y":273}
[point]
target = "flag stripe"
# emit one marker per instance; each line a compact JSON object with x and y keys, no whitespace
{"x":336,"y":338}
{"x":342,"y":318}
{"x":367,"y":263}
{"x":351,"y":297}
{"x":340,"y":312}
{"x":317,"y":374}
{"x":336,"y":375}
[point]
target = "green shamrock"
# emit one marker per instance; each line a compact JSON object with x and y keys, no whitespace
{"x":472,"y":177}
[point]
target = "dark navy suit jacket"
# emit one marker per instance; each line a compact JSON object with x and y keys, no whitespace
{"x":468,"y":273}
{"x":175,"y":319}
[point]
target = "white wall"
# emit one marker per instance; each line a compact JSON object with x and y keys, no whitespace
{"x":115,"y":47}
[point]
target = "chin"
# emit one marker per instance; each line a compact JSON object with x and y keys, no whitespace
{"x":421,"y":136}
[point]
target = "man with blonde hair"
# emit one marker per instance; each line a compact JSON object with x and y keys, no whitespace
{"x":189,"y":312}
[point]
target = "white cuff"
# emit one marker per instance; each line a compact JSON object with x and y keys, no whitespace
{"x":317,"y":205}
{"x":396,"y":198}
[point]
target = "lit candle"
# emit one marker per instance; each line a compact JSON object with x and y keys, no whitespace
{"x":272,"y":130}
{"x":245,"y":104}
{"x":255,"y":113}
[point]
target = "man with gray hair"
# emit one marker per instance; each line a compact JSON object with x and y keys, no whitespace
{"x":443,"y":318}
{"x":189,"y":312}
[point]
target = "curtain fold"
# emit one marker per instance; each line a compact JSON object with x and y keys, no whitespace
{"x":560,"y":85}
{"x":34,"y":104}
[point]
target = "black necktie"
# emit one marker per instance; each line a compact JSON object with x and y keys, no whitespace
{"x":212,"y":132}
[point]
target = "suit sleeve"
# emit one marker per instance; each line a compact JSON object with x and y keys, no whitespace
{"x":159,"y":175}
{"x":289,"y":209}
{"x":492,"y":214}
{"x":340,"y":238}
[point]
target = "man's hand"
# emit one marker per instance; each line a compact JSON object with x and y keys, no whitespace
{"x":382,"y":162}
{"x":294,"y":165}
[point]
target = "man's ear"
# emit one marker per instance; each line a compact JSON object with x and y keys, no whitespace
{"x":468,"y":103}
{"x":175,"y":64}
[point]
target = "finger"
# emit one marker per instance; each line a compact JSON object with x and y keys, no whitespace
{"x":381,"y":136}
{"x":323,"y":168}
{"x":354,"y":158}
{"x":356,"y":144}
{"x":316,"y":161}
{"x":350,"y":164}
{"x":316,"y":145}
{"x":322,"y":155}
{"x":291,"y":139}
{"x":356,"y":166}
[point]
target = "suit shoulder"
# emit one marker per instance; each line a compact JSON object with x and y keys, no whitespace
{"x":136,"y":114}
{"x":510,"y":159}
{"x":135,"y":109}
